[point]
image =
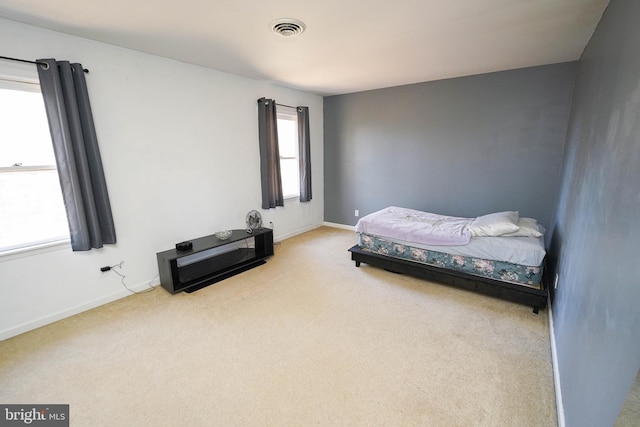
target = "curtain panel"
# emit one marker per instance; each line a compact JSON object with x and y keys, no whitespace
{"x":75,"y":144}
{"x":270,"y":177}
{"x":304,"y":153}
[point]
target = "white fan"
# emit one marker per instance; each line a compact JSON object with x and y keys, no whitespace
{"x":254,"y":220}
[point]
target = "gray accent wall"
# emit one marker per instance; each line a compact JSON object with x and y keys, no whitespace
{"x":596,"y":234}
{"x":464,"y":147}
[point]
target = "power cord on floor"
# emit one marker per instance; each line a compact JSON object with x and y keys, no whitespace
{"x":123,"y":276}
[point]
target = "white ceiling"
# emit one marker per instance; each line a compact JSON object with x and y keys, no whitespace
{"x":349,"y":45}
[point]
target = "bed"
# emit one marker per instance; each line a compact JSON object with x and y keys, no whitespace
{"x":500,"y":254}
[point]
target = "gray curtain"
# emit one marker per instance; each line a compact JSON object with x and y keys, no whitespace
{"x":75,"y":144}
{"x":272,"y":195}
{"x":304,"y":144}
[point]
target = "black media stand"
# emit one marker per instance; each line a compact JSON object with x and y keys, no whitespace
{"x":211,"y":259}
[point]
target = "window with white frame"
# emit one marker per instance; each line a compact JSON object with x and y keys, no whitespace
{"x":31,"y":207}
{"x":288,"y":146}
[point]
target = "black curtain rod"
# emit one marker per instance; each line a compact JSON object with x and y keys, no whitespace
{"x":22,"y":60}
{"x":31,"y":62}
{"x":285,"y":105}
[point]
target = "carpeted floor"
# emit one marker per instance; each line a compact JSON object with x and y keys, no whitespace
{"x":306,"y":339}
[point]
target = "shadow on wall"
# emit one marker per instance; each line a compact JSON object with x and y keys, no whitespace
{"x":552,"y":261}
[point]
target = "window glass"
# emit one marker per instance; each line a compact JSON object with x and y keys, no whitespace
{"x":32,"y":211}
{"x":23,"y":132}
{"x":288,"y":146}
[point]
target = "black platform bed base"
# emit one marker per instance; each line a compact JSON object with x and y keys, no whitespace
{"x":537,"y":298}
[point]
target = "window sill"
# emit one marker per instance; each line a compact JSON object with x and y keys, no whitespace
{"x":32,"y":250}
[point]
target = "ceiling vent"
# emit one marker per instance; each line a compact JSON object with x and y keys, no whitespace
{"x":287,"y":27}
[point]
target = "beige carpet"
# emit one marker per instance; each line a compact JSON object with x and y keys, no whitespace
{"x":307,"y":339}
{"x":630,"y":412}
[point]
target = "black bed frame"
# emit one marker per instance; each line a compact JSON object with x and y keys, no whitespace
{"x":508,"y":291}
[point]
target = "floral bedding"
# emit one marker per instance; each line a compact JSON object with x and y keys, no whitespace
{"x":498,"y":270}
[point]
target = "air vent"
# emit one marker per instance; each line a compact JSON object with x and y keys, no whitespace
{"x":287,"y":27}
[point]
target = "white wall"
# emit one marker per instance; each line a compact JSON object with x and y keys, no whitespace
{"x":179,"y":145}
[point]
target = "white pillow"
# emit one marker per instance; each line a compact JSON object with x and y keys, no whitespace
{"x":495,"y":224}
{"x":528,"y":228}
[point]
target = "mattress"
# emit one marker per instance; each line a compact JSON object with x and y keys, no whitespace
{"x":516,"y":250}
{"x":516,"y":260}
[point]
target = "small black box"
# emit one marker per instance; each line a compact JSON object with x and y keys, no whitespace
{"x":184,"y":246}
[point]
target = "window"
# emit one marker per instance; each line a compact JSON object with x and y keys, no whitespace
{"x":288,"y":146}
{"x":32,"y":211}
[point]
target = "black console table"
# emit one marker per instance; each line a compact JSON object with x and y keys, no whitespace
{"x":211,"y":259}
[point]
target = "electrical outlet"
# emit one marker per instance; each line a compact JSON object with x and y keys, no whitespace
{"x":356,"y":213}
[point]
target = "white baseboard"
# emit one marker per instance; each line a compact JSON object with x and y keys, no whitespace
{"x":556,"y":372}
{"x":281,"y":237}
{"x":63,"y":314}
{"x":343,"y":226}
